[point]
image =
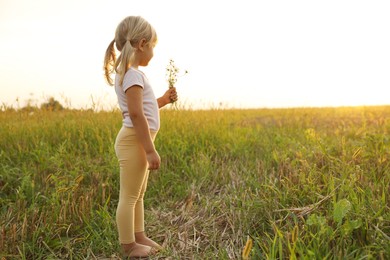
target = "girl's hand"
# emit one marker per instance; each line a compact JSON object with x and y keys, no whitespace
{"x":171,"y":95}
{"x":154,"y":160}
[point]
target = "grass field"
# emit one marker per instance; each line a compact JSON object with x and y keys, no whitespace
{"x":304,"y":183}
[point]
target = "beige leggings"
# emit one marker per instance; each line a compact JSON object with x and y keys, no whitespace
{"x":133,"y":180}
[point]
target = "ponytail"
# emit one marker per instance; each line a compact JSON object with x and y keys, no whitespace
{"x":124,"y":61}
{"x":109,"y":63}
{"x":118,"y":65}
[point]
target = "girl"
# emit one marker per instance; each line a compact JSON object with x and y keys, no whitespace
{"x":135,"y":39}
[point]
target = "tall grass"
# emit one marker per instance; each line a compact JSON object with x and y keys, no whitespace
{"x":304,"y":183}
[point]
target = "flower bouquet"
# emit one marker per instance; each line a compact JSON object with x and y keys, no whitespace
{"x":172,"y":75}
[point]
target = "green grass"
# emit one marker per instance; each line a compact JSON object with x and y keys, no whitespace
{"x":303,"y":183}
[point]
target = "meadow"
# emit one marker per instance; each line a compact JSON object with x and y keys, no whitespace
{"x":298,"y":183}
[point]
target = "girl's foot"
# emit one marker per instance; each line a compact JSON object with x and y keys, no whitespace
{"x":141,"y":238}
{"x":135,"y":250}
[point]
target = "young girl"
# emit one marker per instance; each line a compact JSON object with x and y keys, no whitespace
{"x":135,"y":39}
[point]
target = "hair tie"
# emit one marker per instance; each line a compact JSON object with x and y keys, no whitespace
{"x":129,"y":41}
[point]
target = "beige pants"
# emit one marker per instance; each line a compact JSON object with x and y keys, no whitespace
{"x":133,"y":181}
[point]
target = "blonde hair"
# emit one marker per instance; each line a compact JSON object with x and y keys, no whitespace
{"x":128,"y":33}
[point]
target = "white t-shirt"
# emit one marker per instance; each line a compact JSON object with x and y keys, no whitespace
{"x":136,"y":77}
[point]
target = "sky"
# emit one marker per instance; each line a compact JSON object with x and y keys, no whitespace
{"x":239,"y":54}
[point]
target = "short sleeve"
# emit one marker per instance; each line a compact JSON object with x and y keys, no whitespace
{"x":132,"y":78}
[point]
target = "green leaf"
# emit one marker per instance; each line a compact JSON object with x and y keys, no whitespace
{"x":355,"y":224}
{"x":312,"y":220}
{"x":315,"y":220}
{"x":349,"y":226}
{"x":341,"y":209}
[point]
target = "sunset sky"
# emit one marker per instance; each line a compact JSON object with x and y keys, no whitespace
{"x":239,"y":54}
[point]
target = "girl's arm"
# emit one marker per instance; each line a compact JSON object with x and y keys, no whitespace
{"x":169,"y":96}
{"x":141,"y":127}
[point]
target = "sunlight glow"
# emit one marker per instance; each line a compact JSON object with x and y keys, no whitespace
{"x":238,"y":53}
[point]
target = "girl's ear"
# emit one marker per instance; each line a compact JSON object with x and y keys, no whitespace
{"x":141,"y":44}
